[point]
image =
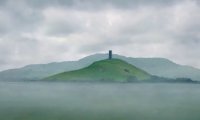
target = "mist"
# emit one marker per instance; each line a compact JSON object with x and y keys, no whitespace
{"x":98,"y":101}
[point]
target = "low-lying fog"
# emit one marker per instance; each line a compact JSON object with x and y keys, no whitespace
{"x":98,"y":101}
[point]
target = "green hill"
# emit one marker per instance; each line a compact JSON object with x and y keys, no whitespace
{"x":104,"y":70}
{"x":155,"y":66}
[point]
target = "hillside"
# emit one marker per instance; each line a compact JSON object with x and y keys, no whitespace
{"x":155,"y":66}
{"x":104,"y":70}
{"x":39,"y":71}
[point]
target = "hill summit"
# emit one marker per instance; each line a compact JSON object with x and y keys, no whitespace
{"x":104,"y":70}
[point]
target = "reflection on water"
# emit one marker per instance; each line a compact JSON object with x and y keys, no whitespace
{"x":84,"y":101}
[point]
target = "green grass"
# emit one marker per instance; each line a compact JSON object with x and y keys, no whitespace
{"x":104,"y":70}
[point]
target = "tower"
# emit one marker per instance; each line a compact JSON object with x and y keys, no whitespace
{"x":110,"y":54}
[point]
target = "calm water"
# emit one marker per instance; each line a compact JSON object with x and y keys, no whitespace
{"x":84,"y":101}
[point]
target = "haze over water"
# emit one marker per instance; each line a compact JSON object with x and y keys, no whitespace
{"x":98,"y":101}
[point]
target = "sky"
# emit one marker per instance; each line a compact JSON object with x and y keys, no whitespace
{"x":43,"y":31}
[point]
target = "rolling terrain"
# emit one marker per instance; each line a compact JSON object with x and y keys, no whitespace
{"x":156,"y":66}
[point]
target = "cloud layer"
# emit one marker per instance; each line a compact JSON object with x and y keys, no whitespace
{"x":41,"y":31}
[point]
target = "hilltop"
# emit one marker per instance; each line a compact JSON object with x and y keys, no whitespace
{"x":114,"y":70}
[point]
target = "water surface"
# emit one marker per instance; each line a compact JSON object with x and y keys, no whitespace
{"x":98,"y":101}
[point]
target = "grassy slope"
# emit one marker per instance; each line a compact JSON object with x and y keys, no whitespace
{"x":111,"y":70}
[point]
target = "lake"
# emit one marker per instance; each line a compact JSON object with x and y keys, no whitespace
{"x":99,"y":101}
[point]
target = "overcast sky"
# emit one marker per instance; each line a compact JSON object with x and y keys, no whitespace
{"x":43,"y":31}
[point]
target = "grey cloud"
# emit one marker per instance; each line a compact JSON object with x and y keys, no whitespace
{"x":95,"y":4}
{"x":17,"y":51}
{"x":106,"y":43}
{"x":62,"y":28}
{"x":98,"y":4}
{"x":2,"y":2}
{"x":19,"y":17}
{"x":45,"y":3}
{"x":3,"y":29}
{"x":135,"y":3}
{"x":138,"y":25}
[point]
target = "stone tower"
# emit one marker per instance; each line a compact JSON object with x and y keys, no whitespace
{"x":110,"y":54}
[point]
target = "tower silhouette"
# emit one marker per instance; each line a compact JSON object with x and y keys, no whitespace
{"x":110,"y":54}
